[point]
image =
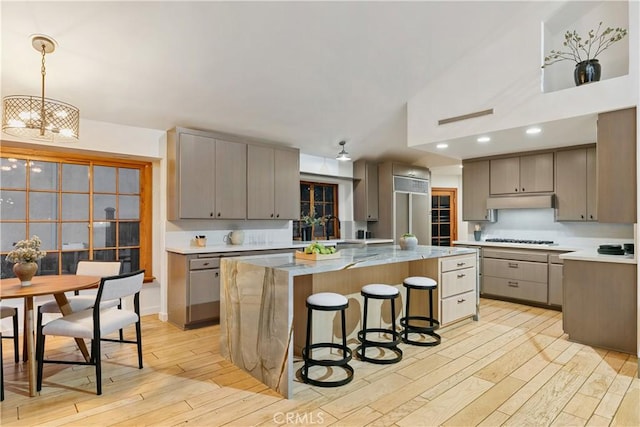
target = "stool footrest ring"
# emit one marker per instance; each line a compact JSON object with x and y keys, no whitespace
{"x":347,"y":355}
{"x":365,"y":358}
{"x":386,"y":344}
{"x":404,"y":322}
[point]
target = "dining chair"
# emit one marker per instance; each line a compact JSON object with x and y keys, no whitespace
{"x":79,"y":302}
{"x":96,"y":322}
{"x":6,"y":312}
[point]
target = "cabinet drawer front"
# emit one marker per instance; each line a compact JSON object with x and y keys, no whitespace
{"x":458,"y":307}
{"x":199,"y":264}
{"x":519,"y":289}
{"x":534,"y":256}
{"x":518,"y":270}
{"x":458,"y":262}
{"x":458,"y":281}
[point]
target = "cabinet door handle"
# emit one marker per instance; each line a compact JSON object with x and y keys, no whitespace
{"x":217,"y":274}
{"x":271,"y":215}
{"x":513,"y":265}
{"x":219,"y":213}
{"x":522,"y":188}
{"x":210,"y":213}
{"x":513,"y":284}
{"x":516,"y":190}
{"x":460,"y":276}
{"x":277,"y":215}
{"x":581,"y":216}
{"x":460,"y":264}
{"x":461,"y":300}
{"x":205,"y":264}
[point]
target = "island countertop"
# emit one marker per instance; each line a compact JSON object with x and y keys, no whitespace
{"x":262,"y":299}
{"x":352,"y":258}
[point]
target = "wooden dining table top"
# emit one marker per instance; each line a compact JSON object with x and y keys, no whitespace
{"x":46,"y":285}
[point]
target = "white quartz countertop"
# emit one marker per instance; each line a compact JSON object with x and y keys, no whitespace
{"x":351,"y":258}
{"x":593,"y":255}
{"x":575,"y":250}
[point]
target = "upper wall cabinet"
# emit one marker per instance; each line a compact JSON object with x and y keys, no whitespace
{"x":365,"y":191}
{"x":200,"y":168}
{"x":475,"y":190}
{"x":616,"y":149}
{"x":576,"y":184}
{"x":273,"y":183}
{"x":524,"y":174}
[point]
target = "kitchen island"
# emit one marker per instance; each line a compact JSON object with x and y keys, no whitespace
{"x":262,"y":300}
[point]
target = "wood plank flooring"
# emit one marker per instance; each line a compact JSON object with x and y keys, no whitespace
{"x":514,"y":367}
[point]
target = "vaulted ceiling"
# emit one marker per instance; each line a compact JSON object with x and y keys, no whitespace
{"x":306,"y":74}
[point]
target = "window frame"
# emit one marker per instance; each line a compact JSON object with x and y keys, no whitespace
{"x":66,"y":157}
{"x":297,"y":225}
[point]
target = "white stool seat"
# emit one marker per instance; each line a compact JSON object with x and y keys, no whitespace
{"x":327,"y":299}
{"x":380,"y":290}
{"x":421,"y":282}
{"x":7,"y":311}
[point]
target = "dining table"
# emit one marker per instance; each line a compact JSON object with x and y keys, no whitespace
{"x":55,"y":285}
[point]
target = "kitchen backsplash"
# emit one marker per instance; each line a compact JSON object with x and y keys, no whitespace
{"x":539,"y":224}
{"x":181,"y":233}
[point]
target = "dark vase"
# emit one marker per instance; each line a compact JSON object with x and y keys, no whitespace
{"x":586,"y":72}
{"x":306,"y":233}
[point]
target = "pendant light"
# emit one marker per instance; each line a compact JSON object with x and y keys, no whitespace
{"x":343,"y":155}
{"x":40,"y":118}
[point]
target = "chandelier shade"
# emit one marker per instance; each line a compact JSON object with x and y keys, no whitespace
{"x":40,"y":118}
{"x":22,"y":117}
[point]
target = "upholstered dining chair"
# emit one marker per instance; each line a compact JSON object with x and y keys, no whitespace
{"x":96,"y":322}
{"x":6,"y":312}
{"x":80,"y":302}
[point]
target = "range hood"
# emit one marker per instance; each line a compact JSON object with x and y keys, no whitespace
{"x":520,"y":202}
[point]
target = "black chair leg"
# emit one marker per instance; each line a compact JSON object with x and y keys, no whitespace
{"x":121,"y":332}
{"x":139,"y":343}
{"x":16,"y":339}
{"x":39,"y":358}
{"x":95,"y":349}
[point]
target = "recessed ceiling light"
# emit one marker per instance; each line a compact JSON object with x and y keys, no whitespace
{"x":533,"y":131}
{"x":483,"y":139}
{"x":442,"y":145}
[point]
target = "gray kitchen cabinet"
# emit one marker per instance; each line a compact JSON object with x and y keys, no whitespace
{"x":365,"y":191}
{"x":576,"y":184}
{"x":616,"y":149}
{"x":200,"y":168}
{"x":555,"y":280}
{"x":475,"y":190}
{"x":599,"y":304}
{"x":531,"y":173}
{"x":273,"y":182}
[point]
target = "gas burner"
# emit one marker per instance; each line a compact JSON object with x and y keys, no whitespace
{"x":528,"y":242}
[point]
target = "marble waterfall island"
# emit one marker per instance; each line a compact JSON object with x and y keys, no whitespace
{"x":262,"y":300}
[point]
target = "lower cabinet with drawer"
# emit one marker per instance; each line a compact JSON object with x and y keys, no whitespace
{"x":515,"y":274}
{"x":458,"y":288}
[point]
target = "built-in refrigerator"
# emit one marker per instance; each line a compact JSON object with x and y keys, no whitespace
{"x":412,"y":208}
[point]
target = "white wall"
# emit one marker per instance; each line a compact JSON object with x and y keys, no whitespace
{"x":514,"y":88}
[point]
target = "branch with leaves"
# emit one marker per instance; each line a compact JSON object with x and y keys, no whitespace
{"x":578,"y":49}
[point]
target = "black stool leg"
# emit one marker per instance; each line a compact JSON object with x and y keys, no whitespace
{"x":431,"y":307}
{"x":307,"y":352}
{"x":408,"y":304}
{"x":364,"y":328}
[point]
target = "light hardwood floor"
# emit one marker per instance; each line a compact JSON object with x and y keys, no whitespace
{"x":514,"y":367}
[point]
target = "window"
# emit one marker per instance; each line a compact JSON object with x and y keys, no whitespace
{"x":322,"y":199}
{"x":81,"y":208}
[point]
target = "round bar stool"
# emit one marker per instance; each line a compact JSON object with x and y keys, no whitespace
{"x":426,"y":284}
{"x":326,"y":301}
{"x":381,"y":292}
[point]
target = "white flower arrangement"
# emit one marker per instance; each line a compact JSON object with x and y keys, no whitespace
{"x":26,"y":251}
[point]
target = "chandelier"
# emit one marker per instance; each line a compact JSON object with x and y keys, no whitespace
{"x":40,"y":118}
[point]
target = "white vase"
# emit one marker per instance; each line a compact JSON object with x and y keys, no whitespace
{"x":408,"y":243}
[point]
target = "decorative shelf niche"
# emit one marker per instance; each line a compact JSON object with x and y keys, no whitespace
{"x":583,"y":17}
